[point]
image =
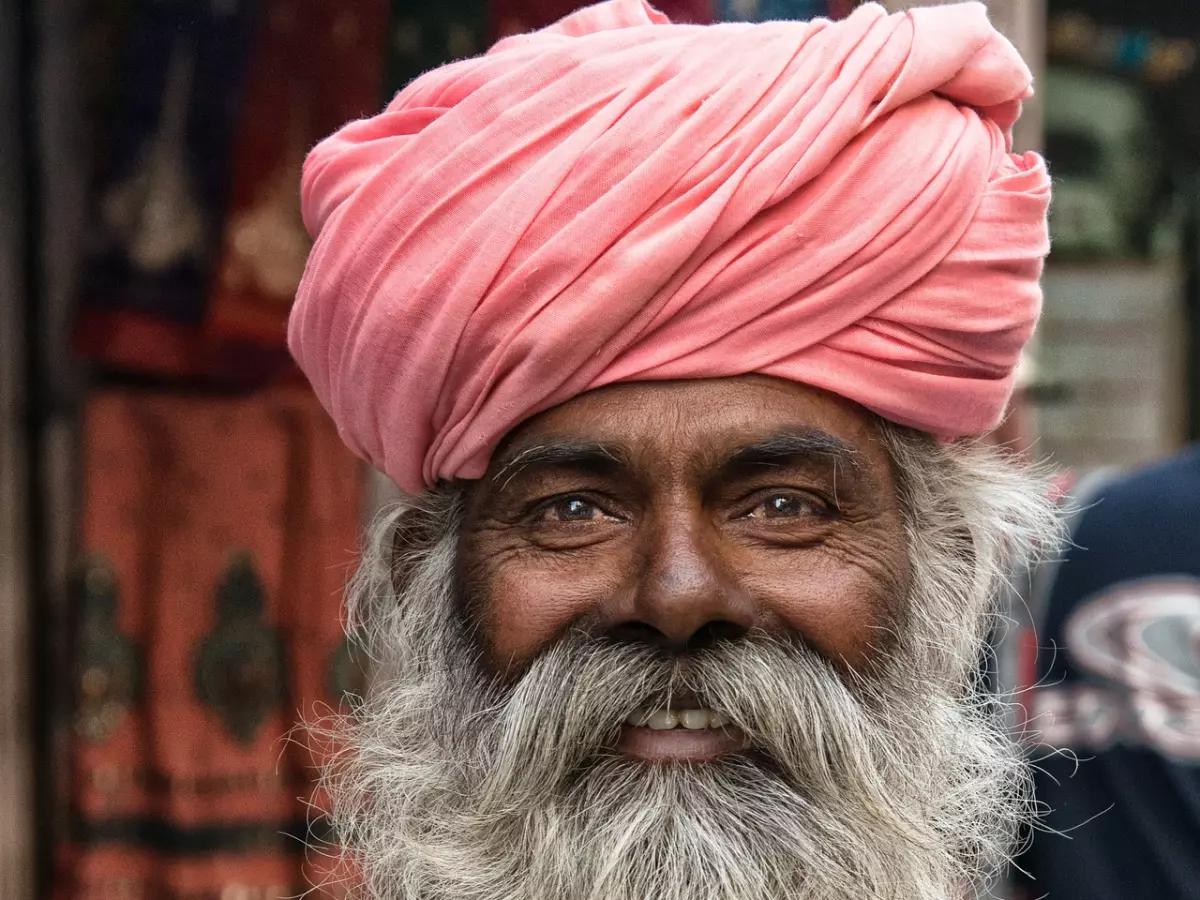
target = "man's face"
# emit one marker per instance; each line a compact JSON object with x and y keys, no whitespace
{"x":704,"y":640}
{"x":680,"y":514}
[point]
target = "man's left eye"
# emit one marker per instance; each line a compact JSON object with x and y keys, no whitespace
{"x":784,"y":506}
{"x":571,"y":509}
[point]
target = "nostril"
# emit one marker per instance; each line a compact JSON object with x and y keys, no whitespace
{"x":706,"y":636}
{"x":638,"y":633}
{"x":713,"y":633}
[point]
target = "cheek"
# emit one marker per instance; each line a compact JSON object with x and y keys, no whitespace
{"x":531,"y":600}
{"x":846,"y":602}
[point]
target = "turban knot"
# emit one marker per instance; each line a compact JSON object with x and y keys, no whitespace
{"x":617,"y":198}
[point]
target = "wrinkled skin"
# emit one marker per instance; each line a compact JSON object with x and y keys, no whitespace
{"x":678,"y":513}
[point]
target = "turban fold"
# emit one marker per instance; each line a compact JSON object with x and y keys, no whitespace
{"x":618,"y":198}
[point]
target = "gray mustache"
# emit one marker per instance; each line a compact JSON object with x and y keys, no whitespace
{"x":612,"y":679}
{"x":570,"y":704}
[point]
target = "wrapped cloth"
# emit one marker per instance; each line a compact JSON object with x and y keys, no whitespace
{"x":616,"y":198}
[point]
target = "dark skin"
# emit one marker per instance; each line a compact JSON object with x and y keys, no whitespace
{"x":679,"y":513}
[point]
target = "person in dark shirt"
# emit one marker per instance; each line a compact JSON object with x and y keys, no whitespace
{"x":1117,"y":702}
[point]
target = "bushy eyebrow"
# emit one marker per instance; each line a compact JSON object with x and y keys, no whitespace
{"x":780,"y":448}
{"x":793,"y":445}
{"x":563,"y":452}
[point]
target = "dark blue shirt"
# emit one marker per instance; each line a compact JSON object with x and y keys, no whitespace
{"x":1119,"y":670}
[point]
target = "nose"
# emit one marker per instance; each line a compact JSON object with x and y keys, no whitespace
{"x":685,"y":598}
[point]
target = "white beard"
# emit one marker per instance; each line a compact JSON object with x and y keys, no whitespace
{"x":892,"y":786}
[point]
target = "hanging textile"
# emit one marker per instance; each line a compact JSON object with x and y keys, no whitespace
{"x":198,"y":238}
{"x":317,"y":65}
{"x":216,"y":537}
{"x":159,"y":190}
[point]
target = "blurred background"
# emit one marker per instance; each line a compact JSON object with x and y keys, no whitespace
{"x":177,"y":516}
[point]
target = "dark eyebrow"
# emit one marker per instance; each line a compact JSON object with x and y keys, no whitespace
{"x":596,"y":456}
{"x":791,"y":445}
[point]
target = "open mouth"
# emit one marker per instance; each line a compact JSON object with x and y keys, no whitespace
{"x":679,"y":731}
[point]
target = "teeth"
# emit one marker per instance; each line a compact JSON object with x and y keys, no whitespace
{"x":694,"y":719}
{"x":666,"y":719}
{"x":662,"y":720}
{"x":638,"y":717}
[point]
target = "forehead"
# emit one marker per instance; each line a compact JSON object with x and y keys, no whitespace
{"x":689,"y":424}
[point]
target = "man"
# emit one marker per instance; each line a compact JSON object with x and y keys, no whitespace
{"x":671,"y":333}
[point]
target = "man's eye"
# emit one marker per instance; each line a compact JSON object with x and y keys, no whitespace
{"x":570,"y":509}
{"x":784,"y":506}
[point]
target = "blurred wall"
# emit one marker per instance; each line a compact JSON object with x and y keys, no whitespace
{"x":16,"y":752}
{"x":1111,"y":343}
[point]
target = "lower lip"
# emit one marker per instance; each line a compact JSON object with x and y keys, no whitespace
{"x":680,"y":744}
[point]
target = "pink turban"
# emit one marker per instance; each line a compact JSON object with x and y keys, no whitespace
{"x":617,"y":198}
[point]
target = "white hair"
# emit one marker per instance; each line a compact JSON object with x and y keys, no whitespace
{"x":451,"y":786}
